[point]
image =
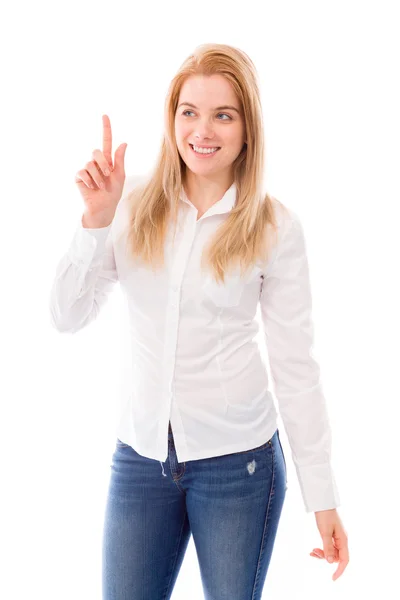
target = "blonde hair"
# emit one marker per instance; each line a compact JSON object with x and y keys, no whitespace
{"x":242,"y":237}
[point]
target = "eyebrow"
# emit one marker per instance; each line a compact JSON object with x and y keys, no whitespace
{"x":227,"y":106}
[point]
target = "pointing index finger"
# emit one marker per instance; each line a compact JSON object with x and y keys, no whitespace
{"x":107,"y":140}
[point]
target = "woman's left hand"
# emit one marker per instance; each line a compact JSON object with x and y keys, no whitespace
{"x":334,"y":539}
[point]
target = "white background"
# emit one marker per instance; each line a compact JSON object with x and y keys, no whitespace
{"x":329,"y":75}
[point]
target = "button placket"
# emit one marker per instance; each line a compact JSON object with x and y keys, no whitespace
{"x":179,"y":262}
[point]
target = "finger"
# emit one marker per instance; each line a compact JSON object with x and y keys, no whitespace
{"x":120,"y":157}
{"x":107,"y":140}
{"x":101,"y":160}
{"x":329,"y":549}
{"x":343,"y":562}
{"x":83,"y":176}
{"x":321,"y":554}
{"x":97,"y":177}
{"x":339,"y":570}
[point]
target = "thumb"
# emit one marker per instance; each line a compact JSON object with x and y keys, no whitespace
{"x":329,"y":549}
{"x":120,"y":157}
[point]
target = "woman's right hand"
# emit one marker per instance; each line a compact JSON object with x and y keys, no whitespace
{"x":100,"y":182}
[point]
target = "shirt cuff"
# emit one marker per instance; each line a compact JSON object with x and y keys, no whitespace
{"x":318,"y":487}
{"x":88,"y":246}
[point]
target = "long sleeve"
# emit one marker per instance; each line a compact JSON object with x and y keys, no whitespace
{"x":84,"y":277}
{"x":286,"y":309}
{"x":87,"y":273}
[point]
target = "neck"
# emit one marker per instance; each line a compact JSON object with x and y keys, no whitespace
{"x":203,"y":192}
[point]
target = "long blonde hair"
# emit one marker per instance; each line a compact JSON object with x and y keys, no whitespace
{"x":242,"y":238}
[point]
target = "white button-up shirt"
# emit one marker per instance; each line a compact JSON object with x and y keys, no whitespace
{"x":194,"y":359}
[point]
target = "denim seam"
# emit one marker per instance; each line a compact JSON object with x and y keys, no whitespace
{"x":262,"y":548}
{"x":176,"y":557}
{"x":177,"y":480}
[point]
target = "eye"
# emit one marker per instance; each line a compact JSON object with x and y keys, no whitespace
{"x":226,"y":115}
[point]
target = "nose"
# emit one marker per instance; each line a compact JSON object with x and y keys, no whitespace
{"x":204,"y":130}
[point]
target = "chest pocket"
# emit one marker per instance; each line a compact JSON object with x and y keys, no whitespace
{"x":230,"y":292}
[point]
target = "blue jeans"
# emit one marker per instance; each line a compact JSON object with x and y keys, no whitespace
{"x":231,"y":504}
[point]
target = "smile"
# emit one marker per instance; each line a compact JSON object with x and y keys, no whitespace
{"x":206,"y":153}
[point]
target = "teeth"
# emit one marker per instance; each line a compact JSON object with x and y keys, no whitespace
{"x":204,"y":150}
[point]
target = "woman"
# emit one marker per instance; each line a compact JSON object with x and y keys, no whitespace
{"x":196,"y":246}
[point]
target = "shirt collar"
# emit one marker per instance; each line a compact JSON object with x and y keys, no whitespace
{"x":224,"y":205}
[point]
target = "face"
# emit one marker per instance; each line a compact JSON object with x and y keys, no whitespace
{"x":206,"y":124}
